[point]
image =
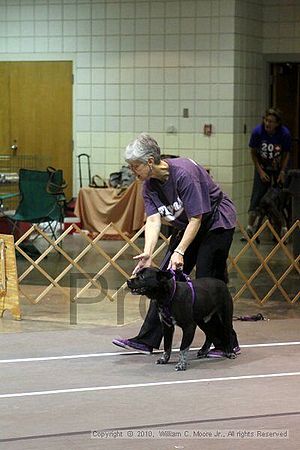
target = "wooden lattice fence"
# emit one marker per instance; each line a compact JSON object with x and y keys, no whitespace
{"x":275,"y":264}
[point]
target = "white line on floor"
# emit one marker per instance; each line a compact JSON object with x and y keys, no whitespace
{"x":145,"y":385}
{"x":97,"y":355}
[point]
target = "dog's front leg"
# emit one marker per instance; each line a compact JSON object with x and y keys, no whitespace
{"x":168,"y":331}
{"x":188,"y":332}
{"x":182,"y":360}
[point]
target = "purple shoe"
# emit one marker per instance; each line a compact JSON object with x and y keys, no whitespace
{"x":237,"y":350}
{"x":216,"y":353}
{"x":129,"y":345}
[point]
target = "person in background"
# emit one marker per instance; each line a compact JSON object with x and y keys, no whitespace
{"x":181,"y":193}
{"x":270,"y":145}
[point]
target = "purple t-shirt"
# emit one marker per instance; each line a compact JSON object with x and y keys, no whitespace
{"x":270,"y":148}
{"x":188,"y":192}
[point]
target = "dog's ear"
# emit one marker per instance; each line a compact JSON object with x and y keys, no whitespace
{"x":164,"y":275}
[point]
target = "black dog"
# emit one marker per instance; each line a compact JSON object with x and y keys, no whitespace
{"x":205,"y":302}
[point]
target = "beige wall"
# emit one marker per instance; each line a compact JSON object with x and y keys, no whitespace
{"x":139,"y":63}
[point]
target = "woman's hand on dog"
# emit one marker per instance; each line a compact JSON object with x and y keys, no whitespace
{"x":176,"y":262}
{"x":144,"y":260}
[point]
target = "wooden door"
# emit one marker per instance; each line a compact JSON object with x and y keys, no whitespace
{"x":36,"y":115}
{"x":285,"y":95}
{"x":4,"y":107}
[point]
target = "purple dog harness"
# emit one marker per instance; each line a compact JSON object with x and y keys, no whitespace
{"x":165,"y":311}
{"x":180,"y":276}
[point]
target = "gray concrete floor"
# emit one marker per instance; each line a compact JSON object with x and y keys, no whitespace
{"x":61,"y":381}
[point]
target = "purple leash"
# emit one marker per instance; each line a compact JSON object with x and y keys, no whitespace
{"x":166,"y":313}
{"x":189,"y":282}
{"x":180,"y":276}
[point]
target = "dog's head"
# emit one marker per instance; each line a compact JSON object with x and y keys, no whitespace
{"x":150,"y":281}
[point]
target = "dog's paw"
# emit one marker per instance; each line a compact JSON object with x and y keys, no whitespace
{"x":164,"y":358}
{"x":201,"y":354}
{"x":231,"y":355}
{"x":181,"y":366}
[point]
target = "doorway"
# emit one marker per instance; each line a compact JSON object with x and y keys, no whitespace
{"x":285,"y":95}
{"x":36,"y":116}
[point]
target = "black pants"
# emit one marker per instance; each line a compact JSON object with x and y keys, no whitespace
{"x":209,"y":253}
{"x":260,"y":188}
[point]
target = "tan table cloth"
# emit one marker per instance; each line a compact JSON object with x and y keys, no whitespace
{"x":98,"y":207}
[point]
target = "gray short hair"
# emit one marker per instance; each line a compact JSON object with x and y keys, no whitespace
{"x":142,"y":148}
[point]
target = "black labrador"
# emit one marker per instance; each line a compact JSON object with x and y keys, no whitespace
{"x":205,"y":302}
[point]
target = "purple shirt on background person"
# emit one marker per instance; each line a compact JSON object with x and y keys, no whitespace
{"x":270,"y":147}
{"x":190,"y":191}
